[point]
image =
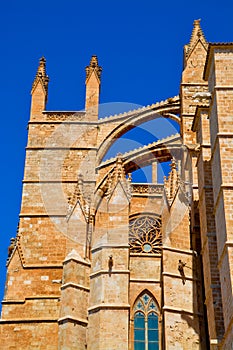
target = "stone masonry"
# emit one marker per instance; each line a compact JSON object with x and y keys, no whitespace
{"x":102,"y":263}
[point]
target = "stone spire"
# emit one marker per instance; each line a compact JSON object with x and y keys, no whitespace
{"x":197,"y":35}
{"x":117,"y":175}
{"x":171,"y":183}
{"x":39,"y":91}
{"x":93,"y":73}
{"x":41,"y":77}
{"x":93,"y":67}
{"x":78,"y":196}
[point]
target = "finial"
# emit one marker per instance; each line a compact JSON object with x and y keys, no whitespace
{"x":129,"y":177}
{"x":41,"y":71}
{"x":197,"y":22}
{"x":119,"y":157}
{"x":41,"y":75}
{"x":119,"y":170}
{"x":93,"y":66}
{"x":94,"y":61}
{"x":173,"y":164}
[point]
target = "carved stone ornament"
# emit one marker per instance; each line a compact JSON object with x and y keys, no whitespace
{"x":145,"y":235}
{"x":93,"y":66}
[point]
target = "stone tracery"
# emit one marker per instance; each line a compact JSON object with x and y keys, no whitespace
{"x":145,"y":235}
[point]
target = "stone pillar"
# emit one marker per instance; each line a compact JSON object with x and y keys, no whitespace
{"x":193,"y":89}
{"x":108,"y":312}
{"x":155,"y":172}
{"x":213,"y":297}
{"x":74,"y":301}
{"x":182,"y":311}
{"x":219,"y":73}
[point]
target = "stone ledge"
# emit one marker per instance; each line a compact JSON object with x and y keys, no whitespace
{"x":194,"y":84}
{"x":137,"y":280}
{"x":181,"y":311}
{"x":173,"y":275}
{"x":106,"y":246}
{"x":54,"y":148}
{"x":97,"y":307}
{"x":223,"y":87}
{"x":29,"y":320}
{"x":45,"y":266}
{"x":69,"y":318}
{"x":22,"y":301}
{"x":109,"y":272}
{"x":43,"y":215}
{"x":179,"y":250}
{"x":146,"y":255}
{"x":75,"y":285}
{"x":63,"y":122}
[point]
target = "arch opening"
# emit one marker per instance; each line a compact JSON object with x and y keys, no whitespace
{"x":168,"y":109}
{"x":136,"y":140}
{"x":146,"y":322}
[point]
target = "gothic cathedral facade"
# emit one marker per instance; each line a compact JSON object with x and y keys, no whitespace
{"x":102,"y":263}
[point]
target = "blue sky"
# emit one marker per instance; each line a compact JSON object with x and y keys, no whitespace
{"x":139,"y":45}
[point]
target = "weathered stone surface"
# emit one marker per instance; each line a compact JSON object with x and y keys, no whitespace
{"x":85,"y":254}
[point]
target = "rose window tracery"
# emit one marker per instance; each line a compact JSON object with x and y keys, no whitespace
{"x":145,"y":235}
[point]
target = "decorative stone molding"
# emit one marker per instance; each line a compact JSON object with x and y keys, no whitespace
{"x":171,"y":182}
{"x":147,"y":189}
{"x":116,"y":175}
{"x":78,"y":196}
{"x":65,"y":116}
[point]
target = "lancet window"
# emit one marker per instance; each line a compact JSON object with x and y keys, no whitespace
{"x":146,"y":325}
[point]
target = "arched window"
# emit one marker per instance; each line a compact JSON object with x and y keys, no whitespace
{"x":146,"y":325}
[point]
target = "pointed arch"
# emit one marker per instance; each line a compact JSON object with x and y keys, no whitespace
{"x":146,"y":322}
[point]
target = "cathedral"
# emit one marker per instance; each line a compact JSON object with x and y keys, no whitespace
{"x":100,"y":262}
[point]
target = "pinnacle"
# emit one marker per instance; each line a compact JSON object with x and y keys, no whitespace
{"x":197,"y":22}
{"x":94,"y":61}
{"x":42,"y":67}
{"x":41,"y":75}
{"x":42,"y":59}
{"x":197,"y":34}
{"x":173,"y":164}
{"x":93,"y":66}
